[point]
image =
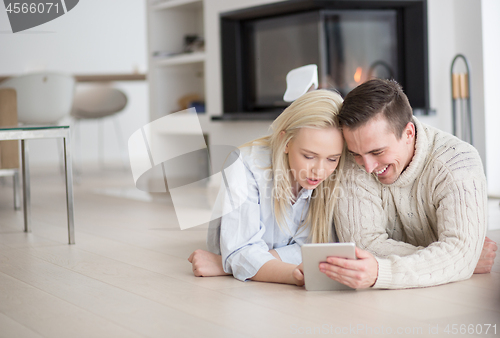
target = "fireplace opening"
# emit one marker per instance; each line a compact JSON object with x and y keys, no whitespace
{"x":350,"y":41}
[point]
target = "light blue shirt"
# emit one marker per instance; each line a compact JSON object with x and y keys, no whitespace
{"x":245,"y":235}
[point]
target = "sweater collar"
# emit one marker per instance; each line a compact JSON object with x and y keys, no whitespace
{"x":417,"y":163}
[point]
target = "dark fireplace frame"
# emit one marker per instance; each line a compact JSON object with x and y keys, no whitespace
{"x":412,"y":53}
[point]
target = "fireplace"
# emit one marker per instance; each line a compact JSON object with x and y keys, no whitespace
{"x":351,"y":41}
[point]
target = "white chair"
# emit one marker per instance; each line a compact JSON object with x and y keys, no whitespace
{"x":42,"y":98}
{"x":299,"y":81}
{"x":97,"y":102}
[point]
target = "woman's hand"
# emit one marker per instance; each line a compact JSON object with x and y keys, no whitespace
{"x":298,"y":275}
{"x":206,"y":264}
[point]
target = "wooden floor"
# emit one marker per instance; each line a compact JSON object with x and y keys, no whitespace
{"x":128,"y":276}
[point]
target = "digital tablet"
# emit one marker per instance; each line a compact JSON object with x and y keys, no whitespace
{"x":313,"y":254}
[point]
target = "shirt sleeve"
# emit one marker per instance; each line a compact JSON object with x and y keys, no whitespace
{"x":243,"y":249}
{"x":290,"y":253}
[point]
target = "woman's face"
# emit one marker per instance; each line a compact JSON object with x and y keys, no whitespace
{"x":313,"y":155}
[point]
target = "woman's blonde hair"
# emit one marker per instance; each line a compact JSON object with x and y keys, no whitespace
{"x":316,"y":109}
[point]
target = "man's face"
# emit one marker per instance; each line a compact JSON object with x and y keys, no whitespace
{"x":378,"y":150}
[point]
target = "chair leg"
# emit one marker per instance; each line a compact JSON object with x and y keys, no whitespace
{"x":26,"y":186}
{"x":68,"y":173}
{"x":17,"y":191}
{"x":121,"y":144}
{"x":78,"y":158}
{"x":100,"y":143}
{"x":60,"y":148}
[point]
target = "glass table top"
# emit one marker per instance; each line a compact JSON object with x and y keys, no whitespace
{"x":31,"y":127}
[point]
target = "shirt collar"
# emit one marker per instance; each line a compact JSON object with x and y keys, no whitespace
{"x":304,"y":193}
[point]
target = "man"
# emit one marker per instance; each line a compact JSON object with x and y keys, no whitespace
{"x":413,"y":196}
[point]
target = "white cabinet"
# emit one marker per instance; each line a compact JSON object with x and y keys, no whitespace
{"x":174,"y":76}
{"x":173,"y":73}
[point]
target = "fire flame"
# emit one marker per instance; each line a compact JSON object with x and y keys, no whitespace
{"x":357,"y":75}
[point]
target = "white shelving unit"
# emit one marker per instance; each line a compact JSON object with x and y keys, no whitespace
{"x":172,"y":77}
{"x":175,"y":4}
{"x":182,"y":59}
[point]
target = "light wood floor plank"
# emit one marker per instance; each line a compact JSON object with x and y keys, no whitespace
{"x":10,"y":328}
{"x":106,"y":301}
{"x":128,"y":275}
{"x":134,"y":255}
{"x":223,"y":310}
{"x":50,"y":316}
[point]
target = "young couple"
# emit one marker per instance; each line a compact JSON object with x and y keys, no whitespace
{"x":286,"y":187}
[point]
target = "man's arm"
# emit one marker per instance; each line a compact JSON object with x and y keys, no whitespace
{"x":461,"y":226}
{"x":363,"y":272}
{"x":487,"y":258}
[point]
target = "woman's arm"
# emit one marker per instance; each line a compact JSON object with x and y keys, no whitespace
{"x":207,"y":264}
{"x":276,"y":271}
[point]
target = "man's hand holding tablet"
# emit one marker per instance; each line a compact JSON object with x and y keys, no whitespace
{"x":338,"y":266}
{"x":361,"y":273}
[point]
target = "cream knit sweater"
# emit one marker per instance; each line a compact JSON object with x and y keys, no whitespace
{"x":428,"y":227}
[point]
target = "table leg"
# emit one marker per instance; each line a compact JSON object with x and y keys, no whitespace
{"x":26,"y":186}
{"x":17,"y":191}
{"x":69,"y":189}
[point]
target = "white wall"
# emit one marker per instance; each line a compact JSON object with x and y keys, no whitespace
{"x":472,"y":28}
{"x":445,"y":18}
{"x":491,"y":52}
{"x":230,"y":133}
{"x":109,"y":36}
{"x":469,"y":27}
{"x":469,"y":41}
{"x":441,"y":44}
{"x":454,"y":27}
{"x":95,"y":37}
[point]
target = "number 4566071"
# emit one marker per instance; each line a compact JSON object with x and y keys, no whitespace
{"x":24,"y":7}
{"x":470,"y":329}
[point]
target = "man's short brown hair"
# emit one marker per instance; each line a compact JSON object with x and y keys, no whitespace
{"x":375,"y":97}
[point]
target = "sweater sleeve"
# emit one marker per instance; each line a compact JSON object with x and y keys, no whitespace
{"x":461,"y":226}
{"x":460,"y":202}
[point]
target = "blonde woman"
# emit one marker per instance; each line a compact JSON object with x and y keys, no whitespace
{"x":286,"y":183}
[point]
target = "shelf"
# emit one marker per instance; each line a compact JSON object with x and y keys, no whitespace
{"x":178,"y":4}
{"x":99,"y":77}
{"x":182,"y":59}
{"x":232,"y":117}
{"x":182,"y":124}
